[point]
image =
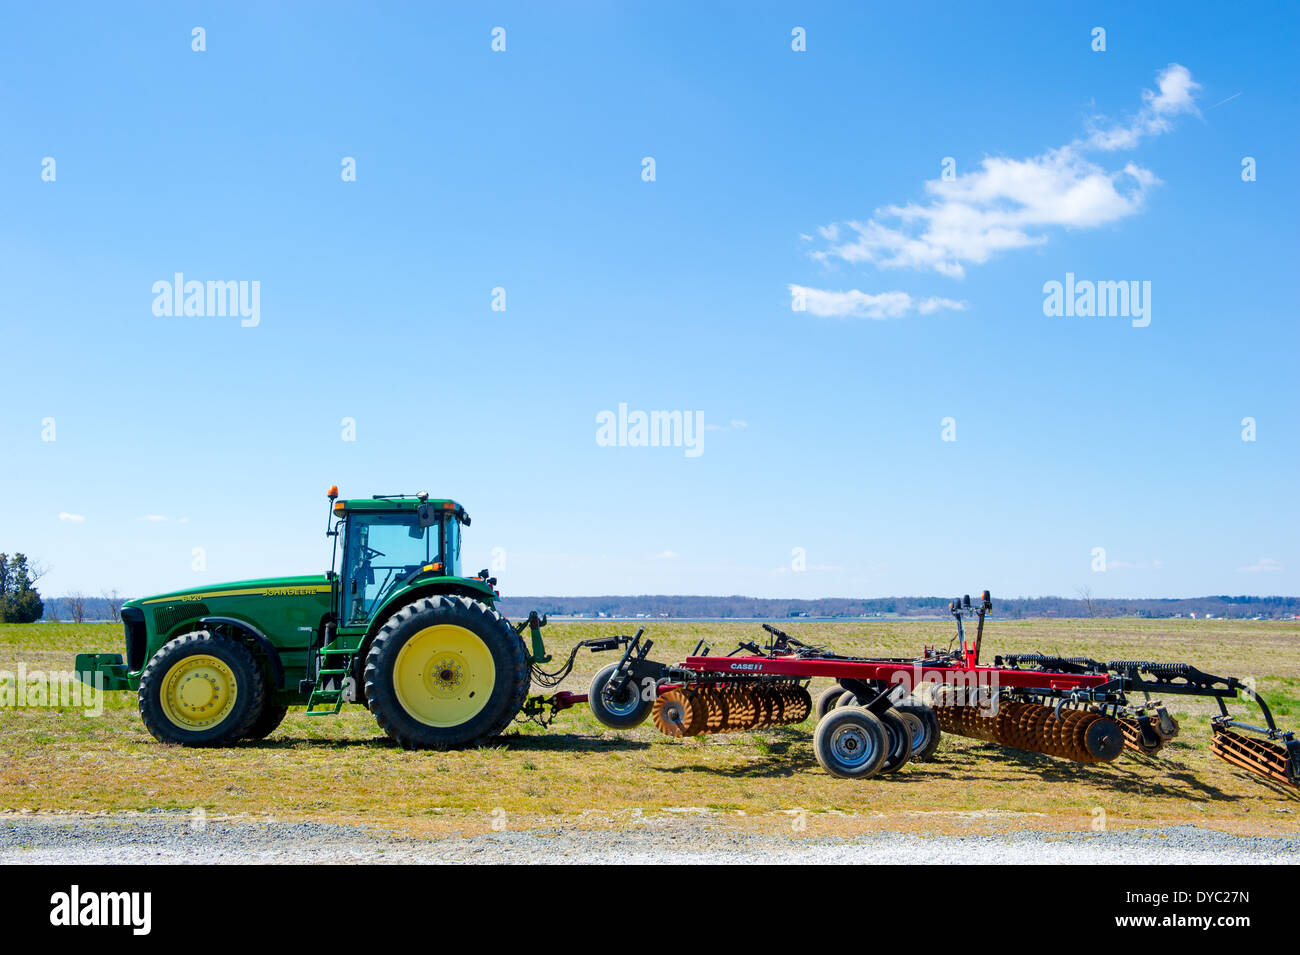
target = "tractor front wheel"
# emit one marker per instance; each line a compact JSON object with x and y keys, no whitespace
{"x":201,"y":689}
{"x":446,"y":672}
{"x":272,"y":716}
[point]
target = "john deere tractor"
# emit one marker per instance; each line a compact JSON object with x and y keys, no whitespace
{"x":393,"y":625}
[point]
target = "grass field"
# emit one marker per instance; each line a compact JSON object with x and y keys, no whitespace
{"x":578,"y":773}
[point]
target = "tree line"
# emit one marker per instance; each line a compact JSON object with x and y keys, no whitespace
{"x":1271,"y":608}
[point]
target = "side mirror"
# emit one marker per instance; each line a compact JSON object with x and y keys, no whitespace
{"x":427,"y":515}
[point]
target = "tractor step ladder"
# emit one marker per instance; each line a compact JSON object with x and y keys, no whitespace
{"x":326,"y":701}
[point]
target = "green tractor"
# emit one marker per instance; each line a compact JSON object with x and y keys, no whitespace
{"x":396,"y":627}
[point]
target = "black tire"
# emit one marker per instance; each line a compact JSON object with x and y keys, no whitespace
{"x":851,"y":743}
{"x":505,"y":697}
{"x":248,"y":697}
{"x":924,"y":744}
{"x":629,"y":710}
{"x":827,"y":700}
{"x":267,"y":721}
{"x":900,"y":741}
{"x":847,"y":699}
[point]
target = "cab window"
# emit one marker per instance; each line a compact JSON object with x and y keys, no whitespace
{"x":382,"y":550}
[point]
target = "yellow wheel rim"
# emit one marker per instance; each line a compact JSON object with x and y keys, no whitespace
{"x":443,"y":676}
{"x":199,"y":692}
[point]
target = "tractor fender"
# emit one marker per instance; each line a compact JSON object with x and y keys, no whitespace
{"x":273,"y":655}
{"x":438,"y":587}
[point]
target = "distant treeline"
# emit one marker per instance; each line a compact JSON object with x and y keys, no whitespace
{"x":1270,"y":608}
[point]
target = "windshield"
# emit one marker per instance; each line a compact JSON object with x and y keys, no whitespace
{"x":381,"y":551}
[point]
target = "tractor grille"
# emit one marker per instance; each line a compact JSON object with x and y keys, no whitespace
{"x":165,"y":618}
{"x":136,"y":638}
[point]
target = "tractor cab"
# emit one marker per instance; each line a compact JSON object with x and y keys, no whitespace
{"x":388,"y":543}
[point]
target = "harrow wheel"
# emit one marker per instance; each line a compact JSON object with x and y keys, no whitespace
{"x":828,"y":699}
{"x":900,"y":741}
{"x":851,"y":743}
{"x":629,"y":709}
{"x":924,"y":724}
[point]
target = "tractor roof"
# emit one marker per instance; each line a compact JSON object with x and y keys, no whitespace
{"x":399,"y":502}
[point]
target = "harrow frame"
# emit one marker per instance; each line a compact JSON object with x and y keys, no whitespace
{"x":1073,"y":707}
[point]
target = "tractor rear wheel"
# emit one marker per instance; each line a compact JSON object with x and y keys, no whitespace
{"x":201,"y":689}
{"x":446,"y":672}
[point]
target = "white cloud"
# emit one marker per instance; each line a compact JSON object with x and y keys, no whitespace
{"x":1177,"y":95}
{"x":665,"y":555}
{"x":856,"y":304}
{"x":72,"y":518}
{"x":1265,"y":565}
{"x":154,"y":518}
{"x":1008,"y":204}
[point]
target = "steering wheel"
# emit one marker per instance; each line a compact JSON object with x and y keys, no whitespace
{"x":369,"y":553}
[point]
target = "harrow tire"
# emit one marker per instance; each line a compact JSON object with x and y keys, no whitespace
{"x":454,"y":639}
{"x":827,"y":700}
{"x":237,"y":690}
{"x":851,"y":743}
{"x":267,"y":721}
{"x":847,"y":699}
{"x":926,"y":741}
{"x":900,"y":741}
{"x":631,"y":709}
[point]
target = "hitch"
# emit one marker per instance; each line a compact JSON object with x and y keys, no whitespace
{"x":543,"y":710}
{"x":534,"y":623}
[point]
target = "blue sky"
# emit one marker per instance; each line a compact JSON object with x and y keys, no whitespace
{"x":523,"y":170}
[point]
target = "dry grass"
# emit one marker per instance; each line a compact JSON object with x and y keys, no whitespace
{"x":580,"y":774}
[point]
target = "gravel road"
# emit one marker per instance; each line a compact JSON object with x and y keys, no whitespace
{"x":174,"y":838}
